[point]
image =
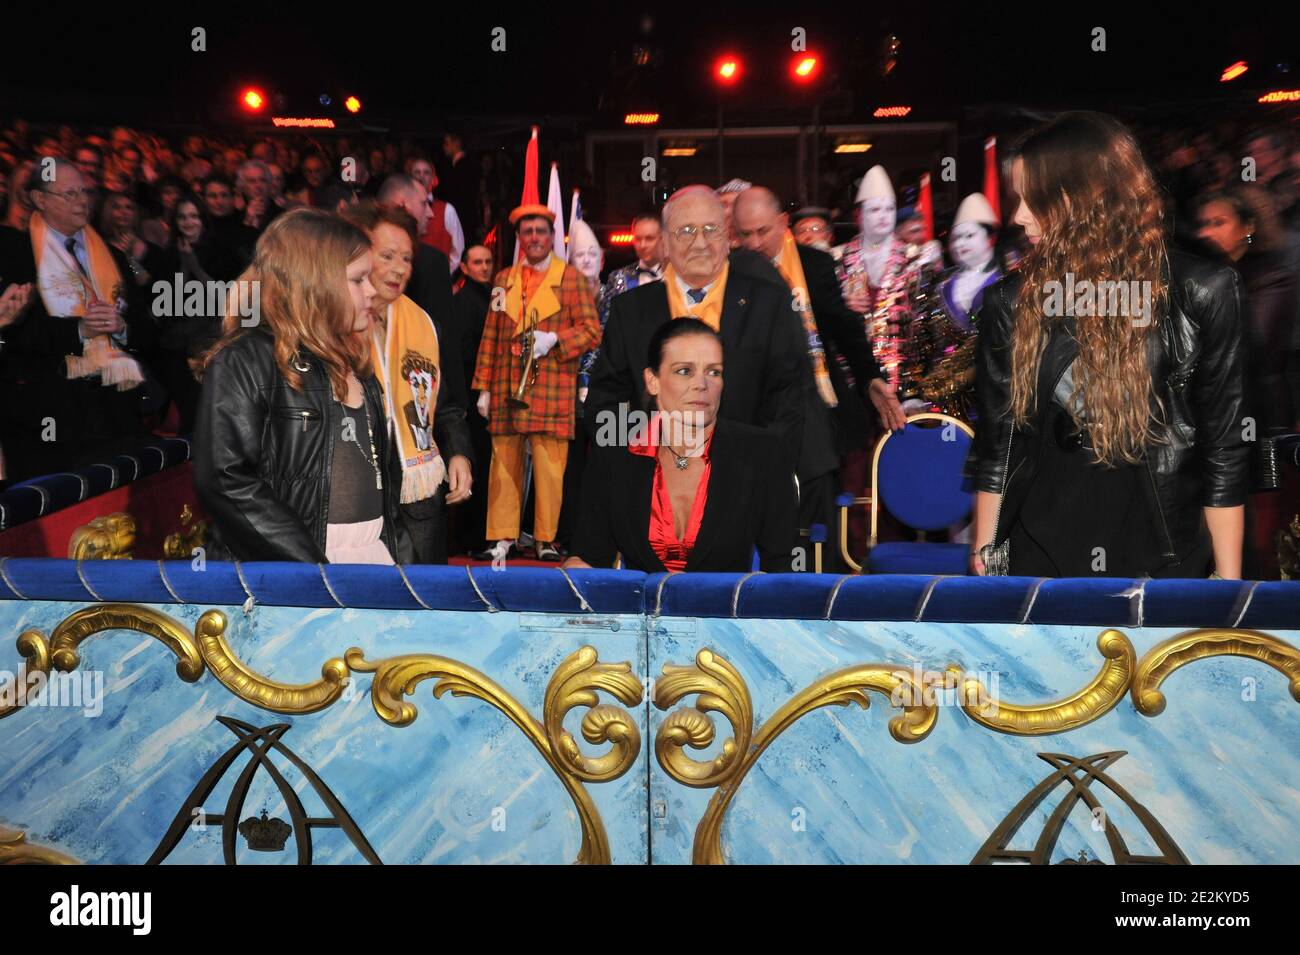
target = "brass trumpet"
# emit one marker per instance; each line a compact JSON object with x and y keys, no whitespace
{"x":529,"y":372}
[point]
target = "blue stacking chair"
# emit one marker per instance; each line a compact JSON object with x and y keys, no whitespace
{"x":916,"y":475}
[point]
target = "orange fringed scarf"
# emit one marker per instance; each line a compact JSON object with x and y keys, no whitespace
{"x":66,"y":291}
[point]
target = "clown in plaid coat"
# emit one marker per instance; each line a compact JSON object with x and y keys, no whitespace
{"x":553,"y":299}
{"x":565,"y":308}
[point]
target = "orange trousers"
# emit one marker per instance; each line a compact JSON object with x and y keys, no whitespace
{"x":506,"y":484}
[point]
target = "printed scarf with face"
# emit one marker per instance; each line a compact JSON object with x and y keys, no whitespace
{"x":406,"y":362}
{"x":66,"y":291}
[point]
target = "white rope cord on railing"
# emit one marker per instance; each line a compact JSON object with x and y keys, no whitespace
{"x":410,"y":588}
{"x":162,"y":574}
{"x":582,"y":601}
{"x":4,"y":575}
{"x":85,"y":583}
{"x":112,"y":481}
{"x":659,"y":594}
{"x":1032,"y":597}
{"x":925,"y":598}
{"x":326,"y":582}
{"x":1250,"y":595}
{"x":40,"y":492}
{"x":251,"y":601}
{"x":473,"y":583}
{"x":835,"y":592}
{"x":735,"y":594}
{"x":1138,"y":590}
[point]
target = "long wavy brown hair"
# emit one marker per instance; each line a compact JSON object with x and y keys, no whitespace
{"x":300,"y":264}
{"x":1102,"y":219}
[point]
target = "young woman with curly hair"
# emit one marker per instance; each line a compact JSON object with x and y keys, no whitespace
{"x":1112,"y":436}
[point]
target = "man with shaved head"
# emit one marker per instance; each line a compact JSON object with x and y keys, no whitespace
{"x":848,"y":380}
{"x":766,"y":378}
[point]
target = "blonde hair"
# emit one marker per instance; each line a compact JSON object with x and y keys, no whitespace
{"x":300,"y":265}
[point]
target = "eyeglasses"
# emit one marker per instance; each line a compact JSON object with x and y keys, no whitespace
{"x":687,"y":233}
{"x":72,"y":195}
{"x":813,"y":228}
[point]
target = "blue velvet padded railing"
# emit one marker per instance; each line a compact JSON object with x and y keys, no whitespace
{"x":1090,"y":602}
{"x":40,"y":496}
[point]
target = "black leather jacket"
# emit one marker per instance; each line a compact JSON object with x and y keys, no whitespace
{"x":263,"y":452}
{"x":1196,"y":358}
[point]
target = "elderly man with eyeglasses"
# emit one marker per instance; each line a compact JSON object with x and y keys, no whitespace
{"x":66,"y":370}
{"x":737,"y":293}
{"x":253,"y":182}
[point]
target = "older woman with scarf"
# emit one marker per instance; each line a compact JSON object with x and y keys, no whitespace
{"x":419,"y":368}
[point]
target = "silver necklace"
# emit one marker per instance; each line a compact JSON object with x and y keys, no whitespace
{"x":682,"y":461}
{"x":370,"y":436}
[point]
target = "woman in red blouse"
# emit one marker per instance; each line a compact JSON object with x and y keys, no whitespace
{"x":691,"y":492}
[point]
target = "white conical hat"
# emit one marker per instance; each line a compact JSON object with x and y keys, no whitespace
{"x":875,"y":185}
{"x":581,"y":237}
{"x":975,"y":208}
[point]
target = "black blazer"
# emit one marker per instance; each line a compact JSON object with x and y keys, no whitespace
{"x":751,"y":503}
{"x":33,"y":379}
{"x":767,"y":373}
{"x":849,"y":358}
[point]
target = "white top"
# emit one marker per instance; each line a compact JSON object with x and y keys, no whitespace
{"x":452,"y":223}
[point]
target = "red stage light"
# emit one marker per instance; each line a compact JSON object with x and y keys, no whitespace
{"x":728,"y":69}
{"x":805,"y":67}
{"x":620,"y":238}
{"x":1234,"y":71}
{"x":253,"y":99}
{"x":352,"y":104}
{"x":640,"y":119}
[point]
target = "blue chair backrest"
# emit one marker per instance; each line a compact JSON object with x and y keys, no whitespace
{"x":919,"y":476}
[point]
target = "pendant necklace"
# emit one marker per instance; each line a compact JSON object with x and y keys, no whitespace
{"x":682,"y":461}
{"x":374,"y":458}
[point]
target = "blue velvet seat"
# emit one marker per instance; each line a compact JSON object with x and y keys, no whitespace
{"x":916,"y":475}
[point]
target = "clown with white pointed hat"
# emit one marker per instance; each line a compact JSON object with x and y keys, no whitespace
{"x":949,"y":379}
{"x":879,"y":274}
{"x":586,"y":255}
{"x":971,"y":242}
{"x":878,"y":271}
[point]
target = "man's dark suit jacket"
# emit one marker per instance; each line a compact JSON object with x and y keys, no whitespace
{"x":766,"y":380}
{"x":844,"y":334}
{"x":751,"y":503}
{"x":90,"y":419}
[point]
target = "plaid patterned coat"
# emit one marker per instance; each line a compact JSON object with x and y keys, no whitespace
{"x":552,"y":397}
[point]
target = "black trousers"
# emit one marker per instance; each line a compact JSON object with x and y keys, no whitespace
{"x":426,"y":523}
{"x":470,"y":517}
